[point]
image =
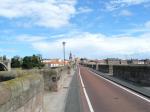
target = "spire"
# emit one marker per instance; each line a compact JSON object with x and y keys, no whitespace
{"x":70,"y":56}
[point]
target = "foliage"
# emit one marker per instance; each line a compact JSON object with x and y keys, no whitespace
{"x":30,"y":62}
{"x":27,"y":62}
{"x":16,"y":62}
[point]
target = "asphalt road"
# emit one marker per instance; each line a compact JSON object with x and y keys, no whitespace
{"x":106,"y":97}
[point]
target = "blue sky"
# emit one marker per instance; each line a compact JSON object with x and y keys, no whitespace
{"x":91,"y":28}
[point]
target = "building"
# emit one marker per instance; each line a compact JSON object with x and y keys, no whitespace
{"x":147,"y":61}
{"x":112,"y":61}
{"x":136,"y":61}
{"x":54,"y":62}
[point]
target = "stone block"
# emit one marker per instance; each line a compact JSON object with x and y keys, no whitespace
{"x":23,"y":94}
{"x":7,"y":107}
{"x":5,"y":94}
{"x":28,"y":106}
{"x":15,"y":87}
{"x":20,"y":109}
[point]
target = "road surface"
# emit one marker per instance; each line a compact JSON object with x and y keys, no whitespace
{"x":73,"y":102}
{"x":106,"y":97}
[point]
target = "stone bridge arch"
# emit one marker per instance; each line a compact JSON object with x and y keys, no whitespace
{"x":3,"y":67}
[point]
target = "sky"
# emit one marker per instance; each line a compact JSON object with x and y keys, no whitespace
{"x":93,"y":29}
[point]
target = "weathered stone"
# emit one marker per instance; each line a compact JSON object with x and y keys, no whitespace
{"x":5,"y":94}
{"x":7,"y":107}
{"x":136,"y":73}
{"x":28,"y":106}
{"x":23,"y":94}
{"x":20,"y":109}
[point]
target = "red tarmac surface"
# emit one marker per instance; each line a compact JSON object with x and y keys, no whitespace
{"x":106,"y":97}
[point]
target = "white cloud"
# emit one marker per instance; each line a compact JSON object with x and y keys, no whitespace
{"x":28,"y":38}
{"x":147,"y":24}
{"x":133,"y":2}
{"x":140,"y":28}
{"x":117,"y":4}
{"x":96,"y":45}
{"x":47,"y":13}
{"x":84,"y":10}
{"x":125,"y":13}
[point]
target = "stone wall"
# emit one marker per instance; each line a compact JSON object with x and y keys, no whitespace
{"x":112,"y":61}
{"x":5,"y":76}
{"x":22,"y":94}
{"x":135,"y":73}
{"x":53,"y":79}
{"x":23,"y":90}
{"x":103,"y":68}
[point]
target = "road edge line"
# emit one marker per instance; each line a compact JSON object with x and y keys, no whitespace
{"x":122,"y":87}
{"x":86,"y":95}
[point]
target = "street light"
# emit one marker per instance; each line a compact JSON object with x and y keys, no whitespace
{"x":64,"y":43}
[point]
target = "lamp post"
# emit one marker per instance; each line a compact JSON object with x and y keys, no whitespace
{"x":64,"y":43}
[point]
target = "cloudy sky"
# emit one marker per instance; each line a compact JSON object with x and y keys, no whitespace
{"x":91,"y":28}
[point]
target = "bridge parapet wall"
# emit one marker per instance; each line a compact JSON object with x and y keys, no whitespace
{"x":135,"y":73}
{"x":53,"y":79}
{"x":22,"y":94}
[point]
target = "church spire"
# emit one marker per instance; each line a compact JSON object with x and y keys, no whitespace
{"x":70,"y":56}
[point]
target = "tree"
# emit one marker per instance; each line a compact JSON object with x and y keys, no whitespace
{"x":37,"y":61}
{"x":16,"y":62}
{"x":27,"y":62}
{"x":32,"y":61}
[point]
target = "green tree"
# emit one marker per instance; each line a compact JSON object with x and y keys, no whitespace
{"x":27,"y":62}
{"x":32,"y":62}
{"x":16,"y":62}
{"x":37,"y":61}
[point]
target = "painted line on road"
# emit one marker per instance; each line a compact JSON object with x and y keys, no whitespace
{"x":128,"y":90}
{"x":86,"y":95}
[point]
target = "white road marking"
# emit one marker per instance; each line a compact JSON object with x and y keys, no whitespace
{"x":128,"y":90}
{"x":86,"y":95}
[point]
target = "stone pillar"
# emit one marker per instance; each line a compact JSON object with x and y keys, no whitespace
{"x":9,"y":66}
{"x":110,"y":69}
{"x":97,"y":66}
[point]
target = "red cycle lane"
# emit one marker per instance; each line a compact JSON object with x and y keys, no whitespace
{"x":106,"y":97}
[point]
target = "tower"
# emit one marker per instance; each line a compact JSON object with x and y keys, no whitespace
{"x":70,"y":56}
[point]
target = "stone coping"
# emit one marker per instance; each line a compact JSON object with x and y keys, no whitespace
{"x":17,"y":92}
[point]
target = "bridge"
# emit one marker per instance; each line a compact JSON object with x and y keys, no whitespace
{"x":5,"y":65}
{"x":94,"y":87}
{"x":110,"y":86}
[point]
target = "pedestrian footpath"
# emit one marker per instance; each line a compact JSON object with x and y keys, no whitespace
{"x":55,"y":101}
